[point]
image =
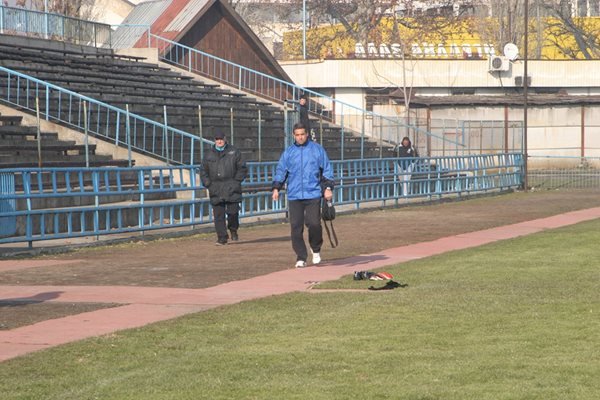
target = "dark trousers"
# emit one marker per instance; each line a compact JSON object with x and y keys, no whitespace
{"x":233,"y":220}
{"x":306,"y":212}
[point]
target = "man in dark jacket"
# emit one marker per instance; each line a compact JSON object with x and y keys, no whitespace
{"x":303,"y":108}
{"x":303,"y":112}
{"x":222,"y":173}
{"x":306,"y":168}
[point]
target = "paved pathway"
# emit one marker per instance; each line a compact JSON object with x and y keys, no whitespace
{"x":144,"y":305}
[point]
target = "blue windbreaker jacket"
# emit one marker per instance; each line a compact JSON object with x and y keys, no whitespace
{"x":307,"y":170}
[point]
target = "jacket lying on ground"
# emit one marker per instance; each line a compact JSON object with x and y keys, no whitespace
{"x":307,"y":170}
{"x":222,"y":173}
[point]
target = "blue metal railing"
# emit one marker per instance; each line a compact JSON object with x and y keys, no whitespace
{"x":53,"y":26}
{"x":349,"y":117}
{"x":123,"y":128}
{"x":100,"y":201}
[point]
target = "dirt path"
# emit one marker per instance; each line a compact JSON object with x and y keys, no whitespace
{"x":195,"y":262}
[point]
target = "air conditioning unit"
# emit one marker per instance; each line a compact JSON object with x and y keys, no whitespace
{"x":499,"y":63}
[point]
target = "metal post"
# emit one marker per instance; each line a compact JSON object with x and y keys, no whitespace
{"x":380,"y":137}
{"x":362,"y":137}
{"x":200,"y":132}
{"x":506,"y":129}
{"x":321,"y":129}
{"x":525,"y":87}
{"x":397,"y":137}
{"x":304,"y":29}
{"x":128,"y":133}
{"x":39,"y":134}
{"x":342,"y":144}
{"x":231,"y":123}
{"x":165,"y":134}
{"x":582,"y":134}
{"x":428,"y":117}
{"x":259,"y":136}
{"x":285,"y":125}
{"x":45,"y":19}
{"x":85,"y":137}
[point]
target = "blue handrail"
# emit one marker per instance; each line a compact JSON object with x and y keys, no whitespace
{"x":142,"y":134}
{"x":98,"y":191}
{"x":275,"y":89}
{"x":56,"y":26}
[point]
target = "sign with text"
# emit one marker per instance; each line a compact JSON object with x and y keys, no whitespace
{"x":425,"y":50}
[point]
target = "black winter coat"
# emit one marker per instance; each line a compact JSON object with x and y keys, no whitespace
{"x":304,"y":119}
{"x":222,"y":173}
{"x":405,"y":153}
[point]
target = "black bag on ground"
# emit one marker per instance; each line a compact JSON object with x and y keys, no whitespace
{"x":328,"y":214}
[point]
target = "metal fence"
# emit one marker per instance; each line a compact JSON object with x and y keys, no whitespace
{"x":18,"y":21}
{"x":54,"y":203}
{"x":573,"y":173}
{"x":441,"y":137}
{"x":89,"y":115}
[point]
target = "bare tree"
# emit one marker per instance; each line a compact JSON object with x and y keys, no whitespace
{"x":583,"y":33}
{"x":71,"y":8}
{"x":506,"y":24}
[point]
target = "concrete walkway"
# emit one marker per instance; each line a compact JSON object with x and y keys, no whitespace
{"x":145,"y":305}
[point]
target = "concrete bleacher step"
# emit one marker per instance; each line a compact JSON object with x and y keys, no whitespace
{"x":65,"y":163}
{"x":19,"y":148}
{"x":63,"y":148}
{"x":54,"y":157}
{"x":26,"y":135}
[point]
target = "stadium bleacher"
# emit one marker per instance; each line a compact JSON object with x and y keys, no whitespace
{"x":19,"y":148}
{"x":148,"y":88}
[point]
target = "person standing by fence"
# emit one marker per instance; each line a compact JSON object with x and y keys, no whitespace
{"x":307,"y":170}
{"x":407,"y":155}
{"x":303,"y":109}
{"x":222,"y":173}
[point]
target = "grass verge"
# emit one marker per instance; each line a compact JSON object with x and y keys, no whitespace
{"x":518,"y":319}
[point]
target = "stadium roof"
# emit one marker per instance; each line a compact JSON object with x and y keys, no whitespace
{"x":515,"y":100}
{"x":189,"y":21}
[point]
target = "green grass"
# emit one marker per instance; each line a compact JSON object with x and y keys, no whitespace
{"x":518,"y":319}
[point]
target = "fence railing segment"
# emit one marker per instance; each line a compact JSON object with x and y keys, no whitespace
{"x":101,"y":201}
{"x":117,"y":125}
{"x":20,"y":21}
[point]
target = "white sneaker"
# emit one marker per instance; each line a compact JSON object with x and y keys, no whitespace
{"x":300,"y":264}
{"x":316,"y":258}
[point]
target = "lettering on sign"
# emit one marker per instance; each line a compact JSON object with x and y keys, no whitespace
{"x":426,"y":50}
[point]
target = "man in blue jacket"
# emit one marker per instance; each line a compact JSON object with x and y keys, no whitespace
{"x":307,"y":170}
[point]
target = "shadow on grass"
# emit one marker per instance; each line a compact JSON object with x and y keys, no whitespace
{"x":389,"y":286}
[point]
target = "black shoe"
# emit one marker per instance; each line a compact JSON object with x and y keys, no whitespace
{"x":221,"y":242}
{"x":234,"y":236}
